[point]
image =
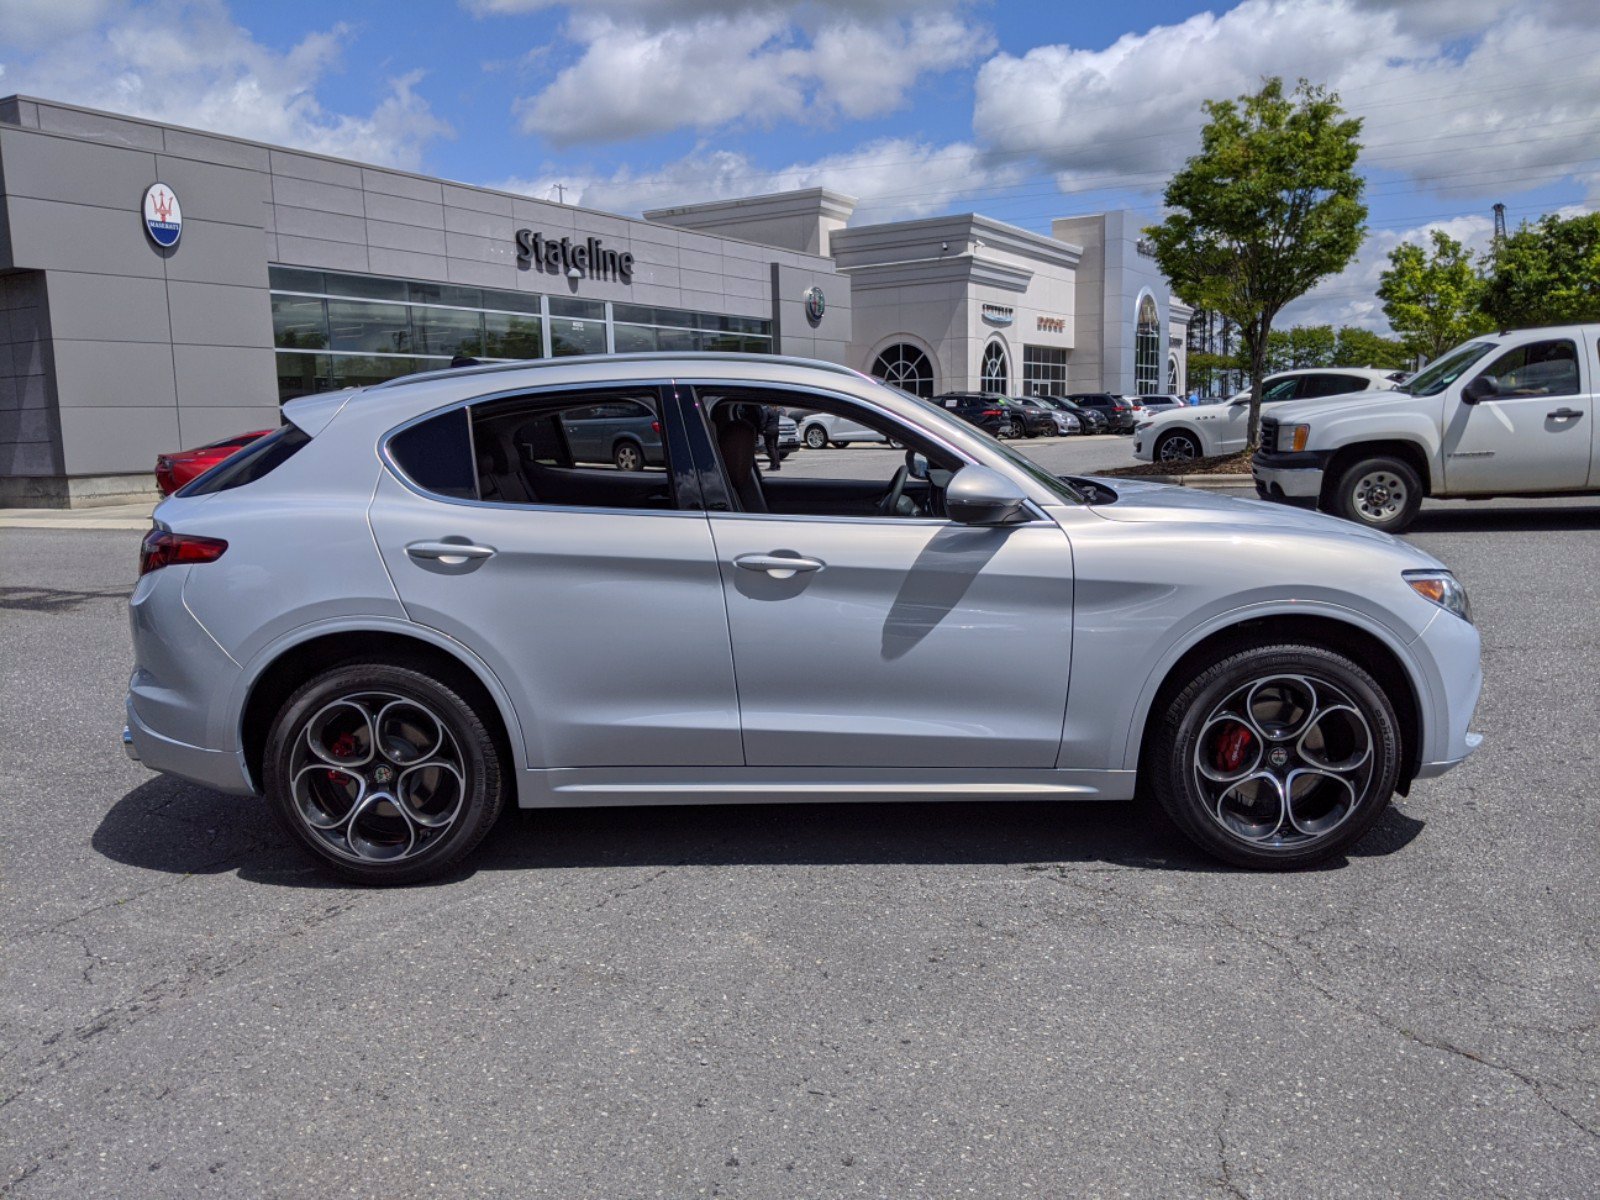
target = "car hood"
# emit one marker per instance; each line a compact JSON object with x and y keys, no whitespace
{"x":1138,"y":501}
{"x":1291,"y":411}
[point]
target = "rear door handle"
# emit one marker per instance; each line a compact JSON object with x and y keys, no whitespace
{"x":1564,"y":414}
{"x":779,"y":566}
{"x":451,"y":554}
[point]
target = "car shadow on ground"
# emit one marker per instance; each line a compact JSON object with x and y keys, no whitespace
{"x":1471,"y":518}
{"x":172,"y":826}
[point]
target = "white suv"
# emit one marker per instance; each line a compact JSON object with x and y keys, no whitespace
{"x":1502,"y":415}
{"x":1199,"y":431}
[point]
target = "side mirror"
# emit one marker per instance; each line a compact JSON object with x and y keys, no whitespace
{"x":916,"y":465}
{"x":1484,"y":387}
{"x":979,"y":496}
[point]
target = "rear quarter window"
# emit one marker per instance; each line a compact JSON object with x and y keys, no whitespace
{"x":436,"y":455}
{"x":255,"y":461}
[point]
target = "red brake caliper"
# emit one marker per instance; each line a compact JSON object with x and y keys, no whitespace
{"x":343,"y":747}
{"x":1232,"y":746}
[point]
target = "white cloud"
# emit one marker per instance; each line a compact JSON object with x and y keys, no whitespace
{"x":634,"y":79}
{"x":1513,"y":109}
{"x":35,"y":22}
{"x":893,"y":178}
{"x":189,"y":63}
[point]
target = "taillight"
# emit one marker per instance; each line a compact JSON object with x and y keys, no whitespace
{"x":655,"y":427}
{"x":992,"y":412}
{"x":163,"y":549}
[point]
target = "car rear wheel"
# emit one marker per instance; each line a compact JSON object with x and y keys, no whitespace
{"x":384,"y":774}
{"x":1276,"y":757}
{"x":627,"y":456}
{"x":816,"y":437}
{"x":1177,"y":447}
{"x":1014,"y":428}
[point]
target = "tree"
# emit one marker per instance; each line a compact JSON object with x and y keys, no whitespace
{"x":1357,"y":347}
{"x":1433,"y":301}
{"x":1547,"y":273}
{"x":1270,"y":206}
{"x":1299,"y":346}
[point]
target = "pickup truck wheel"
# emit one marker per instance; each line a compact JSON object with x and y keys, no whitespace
{"x":1276,"y":757}
{"x":1380,"y":493}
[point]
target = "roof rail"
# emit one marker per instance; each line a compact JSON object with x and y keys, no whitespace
{"x":643,"y":356}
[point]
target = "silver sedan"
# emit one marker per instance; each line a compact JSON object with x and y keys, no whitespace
{"x":420,"y":602}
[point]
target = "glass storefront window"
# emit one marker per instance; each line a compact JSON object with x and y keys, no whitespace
{"x":1147,"y":349}
{"x":569,"y":306}
{"x":299,"y":322}
{"x":447,"y":331}
{"x":1044,"y":371}
{"x":363,"y":327}
{"x":365,"y":287}
{"x":354,"y":370}
{"x":446,"y":293}
{"x":633,"y":339}
{"x":507,"y":336}
{"x":576,"y":337}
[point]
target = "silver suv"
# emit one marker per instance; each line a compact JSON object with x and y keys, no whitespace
{"x":419,"y":602}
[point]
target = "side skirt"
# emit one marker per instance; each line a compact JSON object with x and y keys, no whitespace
{"x":594,"y":787}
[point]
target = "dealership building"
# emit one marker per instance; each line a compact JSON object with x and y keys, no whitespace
{"x":163,"y":287}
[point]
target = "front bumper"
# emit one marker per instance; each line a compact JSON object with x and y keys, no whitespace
{"x":1288,"y":475}
{"x":1449,"y":652}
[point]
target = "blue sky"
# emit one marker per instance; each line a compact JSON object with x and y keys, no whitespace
{"x":1021,"y":110}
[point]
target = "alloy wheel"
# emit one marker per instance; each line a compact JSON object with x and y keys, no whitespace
{"x":1178,"y":447}
{"x":377,"y":777}
{"x":1283,"y":761}
{"x":627,"y":457}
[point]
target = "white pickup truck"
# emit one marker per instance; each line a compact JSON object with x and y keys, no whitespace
{"x":1509,"y":414}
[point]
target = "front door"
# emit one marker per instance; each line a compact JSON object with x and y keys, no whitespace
{"x":1534,"y":435}
{"x":591,"y":591}
{"x":897,"y":640}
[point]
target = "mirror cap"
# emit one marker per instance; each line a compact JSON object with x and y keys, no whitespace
{"x":980,"y":496}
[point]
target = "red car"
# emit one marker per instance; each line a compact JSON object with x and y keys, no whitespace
{"x":176,"y":469}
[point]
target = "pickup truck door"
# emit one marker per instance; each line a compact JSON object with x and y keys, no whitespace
{"x":1534,"y":436}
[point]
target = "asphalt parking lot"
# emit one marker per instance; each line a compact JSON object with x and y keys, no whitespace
{"x":916,"y":1000}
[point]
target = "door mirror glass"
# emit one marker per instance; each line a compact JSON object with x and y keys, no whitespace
{"x":980,"y":496}
{"x":1484,"y":387}
{"x":916,"y":465}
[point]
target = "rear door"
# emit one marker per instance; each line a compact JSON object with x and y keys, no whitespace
{"x":1535,"y":435}
{"x":592,"y":592}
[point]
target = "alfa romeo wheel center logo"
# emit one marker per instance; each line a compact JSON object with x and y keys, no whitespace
{"x":816,"y":304}
{"x":1279,"y":757}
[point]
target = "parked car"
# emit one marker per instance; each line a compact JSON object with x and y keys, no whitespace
{"x":625,"y":434}
{"x":788,"y":436}
{"x":1200,"y":432}
{"x":1509,"y":414}
{"x":1089,"y":421}
{"x":1117,"y":411}
{"x":483,"y":620}
{"x":1062,"y":422}
{"x":1159,"y":404}
{"x":178,"y":468}
{"x":1017,"y":419}
{"x":988,"y":412}
{"x":818,"y":430}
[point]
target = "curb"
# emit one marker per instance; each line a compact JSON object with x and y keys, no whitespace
{"x":128,"y":517}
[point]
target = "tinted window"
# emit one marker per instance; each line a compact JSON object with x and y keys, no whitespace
{"x":250,"y":464}
{"x":437,"y":455}
{"x":1537,"y":369}
{"x":1284,"y":389}
{"x":585,"y":450}
{"x":1432,"y":380}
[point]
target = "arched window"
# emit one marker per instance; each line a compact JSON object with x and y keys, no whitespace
{"x":904,"y":366}
{"x":1174,"y":376}
{"x":1147,"y":349}
{"x":995,"y":376}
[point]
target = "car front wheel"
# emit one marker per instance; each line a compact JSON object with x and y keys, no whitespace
{"x":1177,"y":447}
{"x":1276,"y":757}
{"x":1381,"y":493}
{"x":384,"y":774}
{"x":816,"y":437}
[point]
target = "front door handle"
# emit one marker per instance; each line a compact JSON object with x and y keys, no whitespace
{"x":1564,"y":414}
{"x":451,"y":554}
{"x":779,"y":566}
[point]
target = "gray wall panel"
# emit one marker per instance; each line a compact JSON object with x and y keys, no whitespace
{"x":391,"y":183}
{"x":405,"y":237}
{"x":314,"y":223}
{"x":216,"y":193}
{"x":224,"y":376}
{"x":499,"y":227}
{"x":211,"y":253}
{"x":219,"y":315}
{"x":48,"y":168}
{"x":187,"y":144}
{"x":404,"y":210}
{"x":305,"y":166}
{"x":47,"y":234}
{"x":311,"y":252}
{"x":323,"y":197}
{"x":118,"y":308}
{"x":113,"y":441}
{"x":383,"y":261}
{"x":199,"y":425}
{"x":29,"y":459}
{"x":100,"y":375}
{"x":99,"y":127}
{"x":488,"y":202}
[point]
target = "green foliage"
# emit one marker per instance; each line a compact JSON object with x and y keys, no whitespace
{"x":1270,"y":206}
{"x":1358,"y":347}
{"x":1433,"y":301}
{"x":1300,"y":346}
{"x":1547,"y":273}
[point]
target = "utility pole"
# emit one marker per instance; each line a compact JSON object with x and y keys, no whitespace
{"x":1499,"y":225}
{"x":561,"y":192}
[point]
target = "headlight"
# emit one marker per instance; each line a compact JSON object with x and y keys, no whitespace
{"x":1293,"y":437}
{"x":1443,"y":588}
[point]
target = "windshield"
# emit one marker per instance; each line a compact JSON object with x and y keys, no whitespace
{"x":1434,"y":379}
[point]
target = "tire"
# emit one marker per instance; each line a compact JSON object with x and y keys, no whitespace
{"x":628,"y":456}
{"x":1015,"y":430}
{"x":815,"y":437}
{"x":1380,"y":493}
{"x":1178,"y":446}
{"x":1200,"y":767}
{"x":369,"y":840}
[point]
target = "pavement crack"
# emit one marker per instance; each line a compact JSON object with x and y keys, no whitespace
{"x":1225,"y":1168}
{"x":617,"y":893}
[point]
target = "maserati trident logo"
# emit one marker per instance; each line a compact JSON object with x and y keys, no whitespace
{"x":163,"y":215}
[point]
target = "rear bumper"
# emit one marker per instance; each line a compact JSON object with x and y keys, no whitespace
{"x":217,"y":769}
